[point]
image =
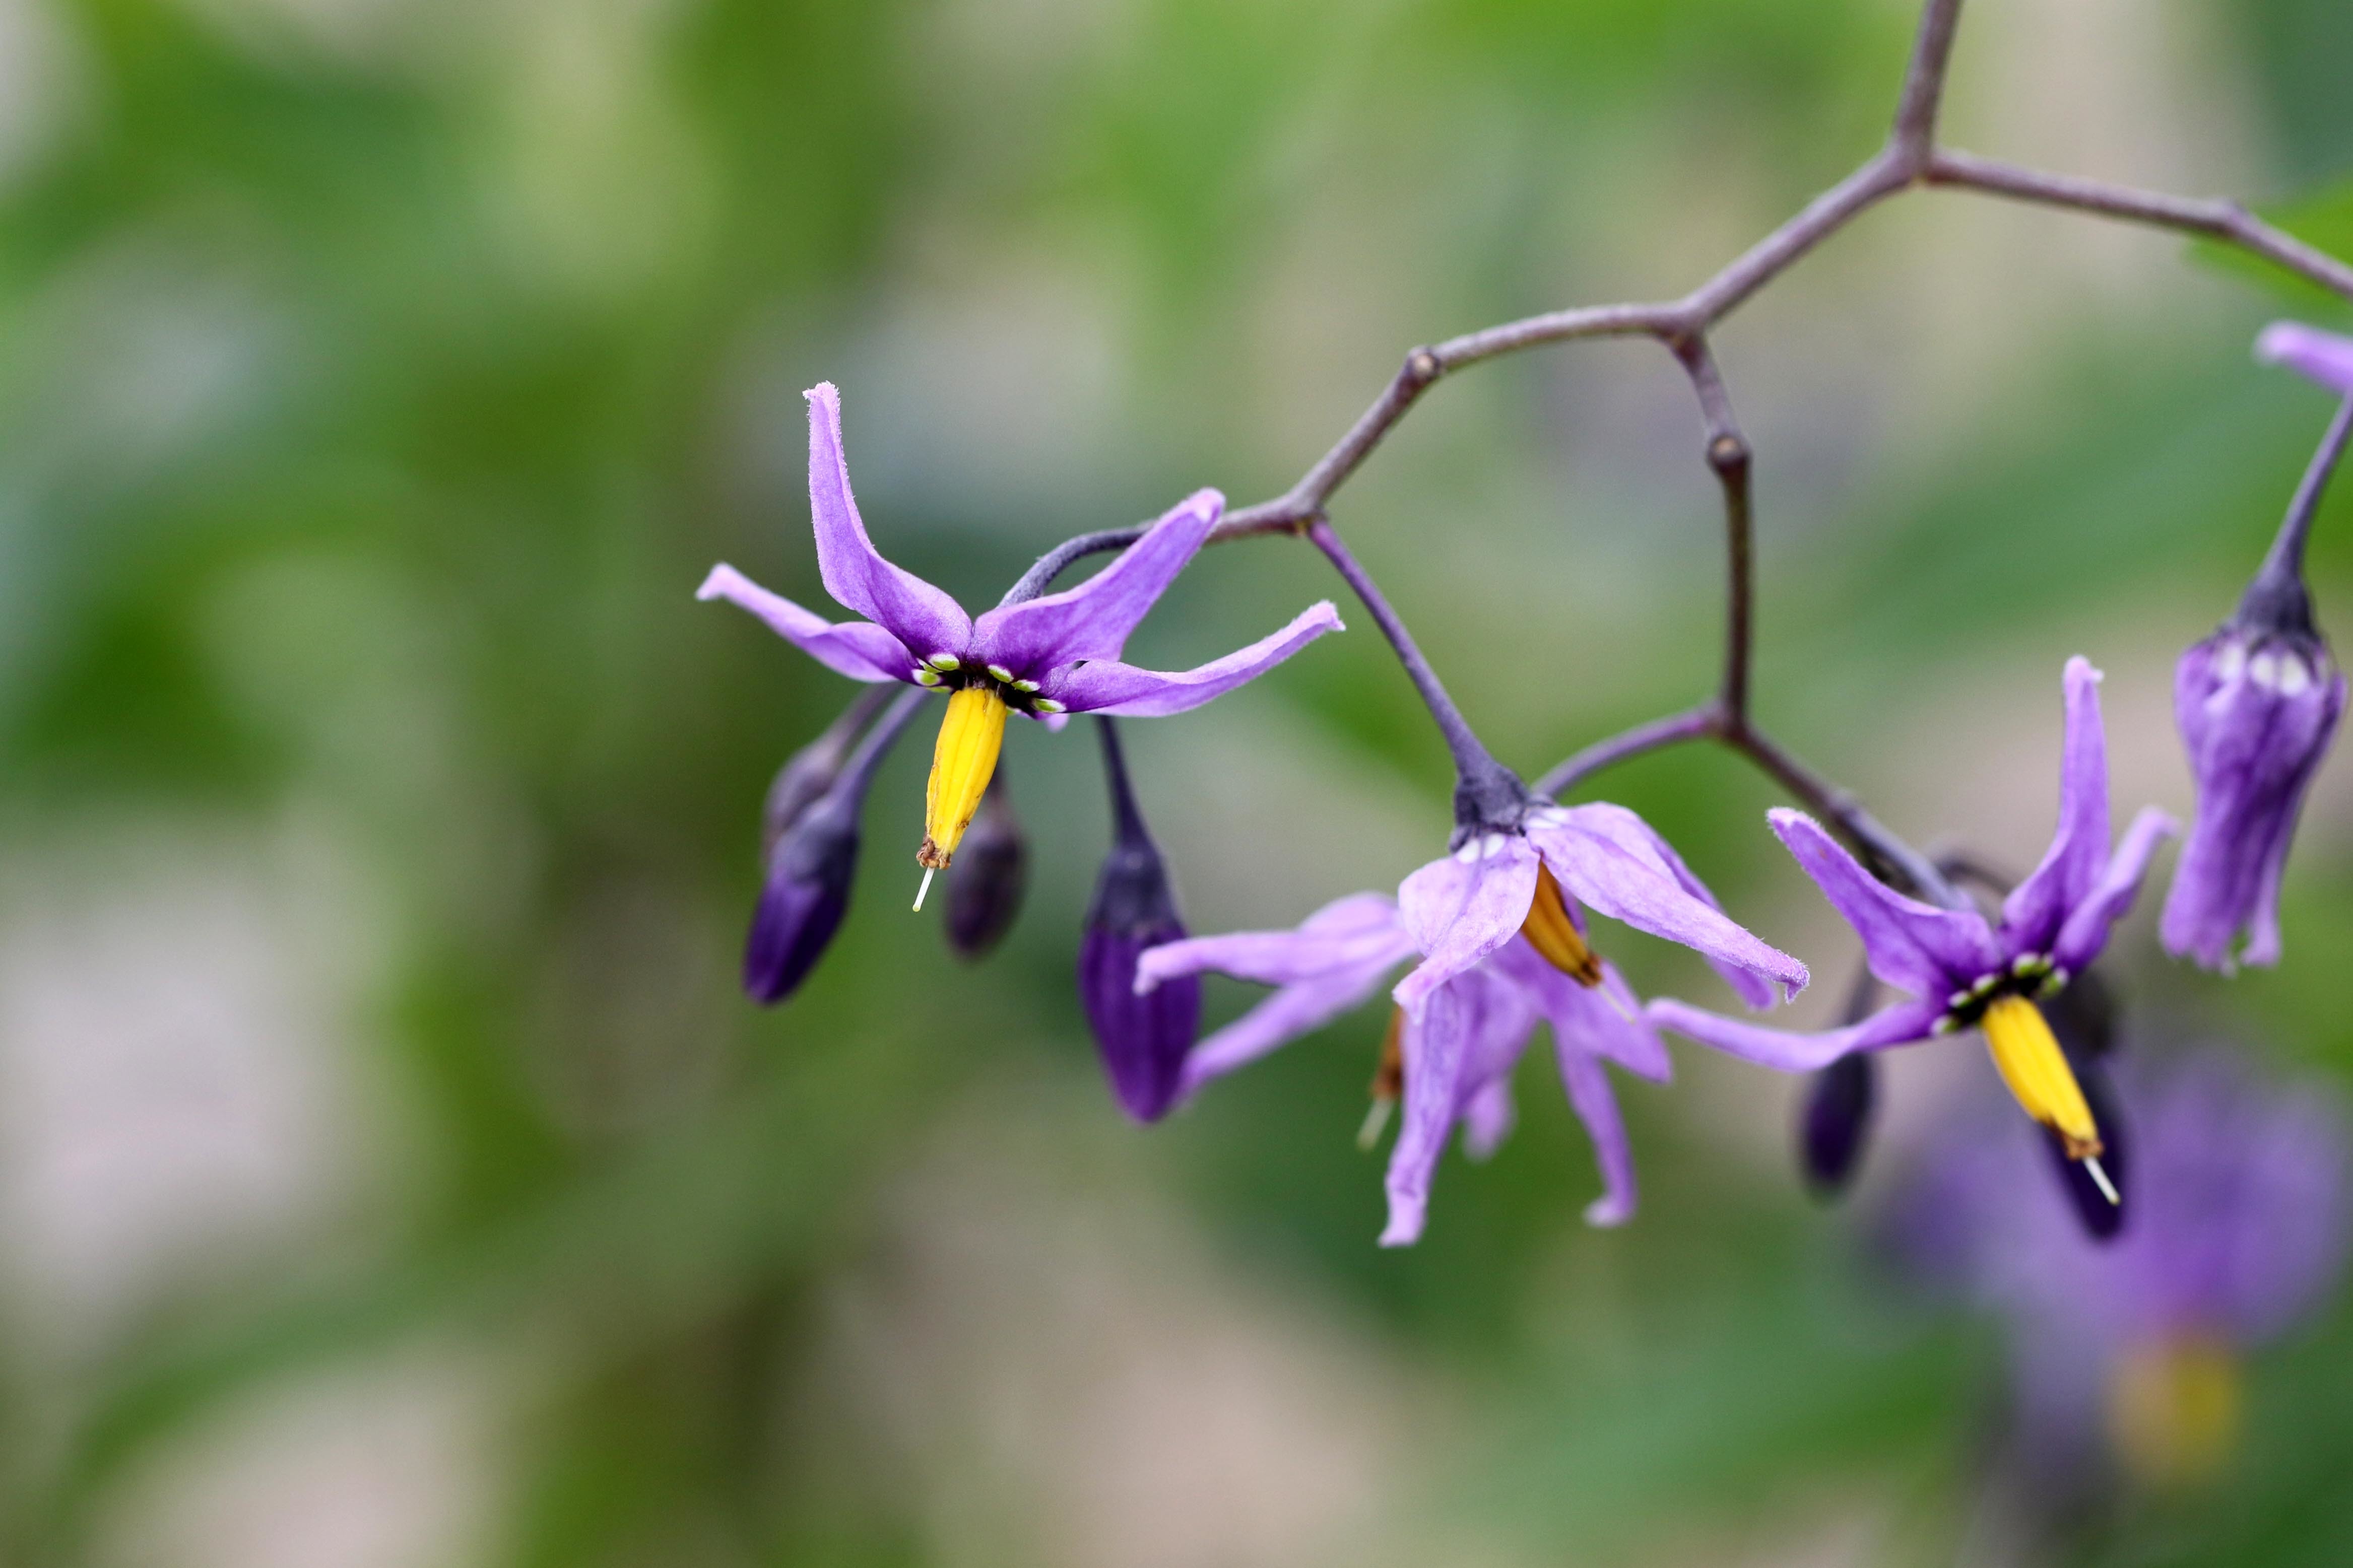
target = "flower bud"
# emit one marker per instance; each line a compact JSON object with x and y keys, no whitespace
{"x":1840,"y":1101}
{"x":987,"y":877}
{"x":811,"y":770}
{"x":810,"y":867}
{"x":1143,"y":1039}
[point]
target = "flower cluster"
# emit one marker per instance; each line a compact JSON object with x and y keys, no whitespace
{"x":1495,"y":937}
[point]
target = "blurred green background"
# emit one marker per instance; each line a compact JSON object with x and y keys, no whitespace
{"x":390,"y":1172}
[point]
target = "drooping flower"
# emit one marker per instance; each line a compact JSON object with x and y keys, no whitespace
{"x":1962,"y":970}
{"x":2258,"y":704}
{"x":1142,"y":1035}
{"x":2134,"y":1347}
{"x":1500,"y":929}
{"x":1041,"y":657}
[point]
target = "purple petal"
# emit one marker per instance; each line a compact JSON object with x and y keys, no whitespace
{"x":1790,"y":1050}
{"x":1435,"y":1039}
{"x":2086,"y":930}
{"x":1462,"y":908}
{"x":1604,"y":1020}
{"x":2253,"y":749}
{"x":920,"y":615}
{"x":2323,"y":356}
{"x":1589,"y":1094}
{"x":2031,"y":915}
{"x":1488,"y":1118}
{"x":1346,"y":934}
{"x":1093,"y":620}
{"x":1107,"y":686}
{"x":1912,"y":946}
{"x":855,"y":648}
{"x":1612,"y":869}
{"x":1630,"y":831}
{"x":1299,"y":1008}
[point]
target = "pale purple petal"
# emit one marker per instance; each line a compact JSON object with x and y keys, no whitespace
{"x":2031,"y":915}
{"x":2086,"y":930}
{"x":2324,"y":356}
{"x":1299,"y":1008}
{"x":920,"y":616}
{"x":857,"y":649}
{"x":1790,"y":1050}
{"x":1910,"y":945}
{"x":1628,"y":830}
{"x":1348,"y":932}
{"x":1605,"y":1019}
{"x":1588,"y":1083}
{"x":1462,"y":908}
{"x":1093,"y":620}
{"x":1616,"y":874}
{"x":1435,"y":1040}
{"x":1107,"y":686}
{"x":1488,"y":1118}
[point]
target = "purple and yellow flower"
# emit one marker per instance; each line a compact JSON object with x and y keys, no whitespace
{"x":1041,"y":657}
{"x":2258,"y":704}
{"x":2238,"y":1230}
{"x":1500,"y":928}
{"x":1961,"y":971}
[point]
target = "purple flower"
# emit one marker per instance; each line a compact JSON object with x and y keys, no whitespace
{"x":2258,"y":704}
{"x":2239,"y":1229}
{"x":1500,"y":928}
{"x":1042,"y":658}
{"x":1961,"y":971}
{"x":1142,"y":1035}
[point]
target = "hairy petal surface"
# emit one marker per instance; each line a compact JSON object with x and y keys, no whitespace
{"x":922,"y":617}
{"x":1093,"y":620}
{"x":855,"y":648}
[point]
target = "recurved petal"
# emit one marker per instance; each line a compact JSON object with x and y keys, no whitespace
{"x":1107,"y":686}
{"x":922,"y":617}
{"x":2324,"y":356}
{"x":855,"y":648}
{"x":1459,"y":909}
{"x":1627,"y":882}
{"x":1628,"y":830}
{"x":1790,"y":1050}
{"x":1346,"y":934}
{"x":2086,"y":932}
{"x":1299,"y":1008}
{"x":1604,"y":1020}
{"x":1435,"y":1040}
{"x":1596,"y":1104}
{"x":2031,"y":915}
{"x":1913,"y":946}
{"x":1488,"y":1118}
{"x":1093,"y":620}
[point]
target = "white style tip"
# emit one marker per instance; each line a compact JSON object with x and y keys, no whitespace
{"x":2100,"y":1180}
{"x":922,"y":891}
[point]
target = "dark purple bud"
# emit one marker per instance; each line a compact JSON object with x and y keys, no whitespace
{"x":810,"y":867}
{"x":1143,"y":1039}
{"x":812,"y":848}
{"x":2257,"y":704}
{"x":1840,"y":1101}
{"x":811,"y":770}
{"x":987,"y":879}
{"x":2103,"y":1217}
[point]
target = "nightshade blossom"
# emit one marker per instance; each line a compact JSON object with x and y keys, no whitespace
{"x":1961,"y":971}
{"x":1041,"y":657}
{"x":1142,"y":1035}
{"x":2239,"y":1230}
{"x":2258,"y":704}
{"x":1499,"y":926}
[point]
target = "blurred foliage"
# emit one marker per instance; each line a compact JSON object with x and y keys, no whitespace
{"x":374,"y":392}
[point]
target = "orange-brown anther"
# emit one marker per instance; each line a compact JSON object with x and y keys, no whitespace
{"x":1552,"y":933}
{"x":1389,"y":1079}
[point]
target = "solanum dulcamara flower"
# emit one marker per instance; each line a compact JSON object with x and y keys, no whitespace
{"x":2258,"y":704}
{"x":1961,"y":971}
{"x":1040,"y":658}
{"x":1499,"y":926}
{"x":2135,"y":1347}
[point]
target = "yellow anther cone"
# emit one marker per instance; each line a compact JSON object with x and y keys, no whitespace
{"x":1552,"y":933}
{"x":2036,"y":1071}
{"x":970,"y":737}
